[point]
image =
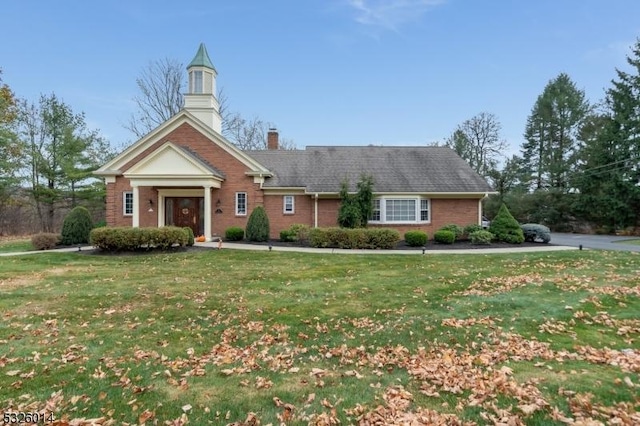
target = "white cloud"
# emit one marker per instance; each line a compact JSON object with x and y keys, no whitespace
{"x":390,"y":14}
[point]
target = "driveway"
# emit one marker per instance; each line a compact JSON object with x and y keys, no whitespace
{"x":601,"y":242}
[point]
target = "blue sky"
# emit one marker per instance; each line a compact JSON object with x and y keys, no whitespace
{"x":330,"y":72}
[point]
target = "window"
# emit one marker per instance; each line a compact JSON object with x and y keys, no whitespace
{"x":127,"y":203}
{"x":197,"y":82}
{"x":241,"y":203}
{"x":288,"y":204}
{"x":400,"y":210}
{"x":375,"y":211}
{"x":424,"y":210}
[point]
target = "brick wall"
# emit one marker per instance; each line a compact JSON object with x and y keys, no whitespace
{"x":235,"y":181}
{"x":278,"y":220}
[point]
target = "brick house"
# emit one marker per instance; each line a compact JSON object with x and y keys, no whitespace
{"x":185,"y":173}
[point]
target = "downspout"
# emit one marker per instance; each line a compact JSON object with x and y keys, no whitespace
{"x":315,"y":213}
{"x":480,"y":208}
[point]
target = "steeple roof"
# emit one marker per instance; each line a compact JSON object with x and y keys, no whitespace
{"x":202,"y":59}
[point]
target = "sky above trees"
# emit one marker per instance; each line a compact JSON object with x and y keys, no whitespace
{"x":348,"y":72}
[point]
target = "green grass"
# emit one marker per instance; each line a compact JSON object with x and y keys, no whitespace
{"x":635,"y":242}
{"x":216,"y":335}
{"x":12,"y":246}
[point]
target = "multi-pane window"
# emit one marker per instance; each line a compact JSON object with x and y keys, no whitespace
{"x":375,"y":210}
{"x":400,"y":210}
{"x":424,"y":210}
{"x":127,"y":203}
{"x":241,"y":203}
{"x":288,"y":204}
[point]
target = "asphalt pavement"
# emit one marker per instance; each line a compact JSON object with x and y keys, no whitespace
{"x":600,"y":242}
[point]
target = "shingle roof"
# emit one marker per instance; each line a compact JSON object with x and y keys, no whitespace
{"x":196,"y":157}
{"x":394,"y":169}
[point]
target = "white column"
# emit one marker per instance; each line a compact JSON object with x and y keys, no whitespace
{"x":207,"y":213}
{"x":136,"y":207}
{"x":315,"y":212}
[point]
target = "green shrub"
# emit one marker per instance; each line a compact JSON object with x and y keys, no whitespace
{"x":470,"y":229}
{"x":258,"y":225}
{"x":319,"y":237}
{"x":76,"y":226}
{"x":506,"y":228}
{"x":234,"y":233}
{"x":191,"y":239}
{"x":359,"y":238}
{"x":458,"y":231}
{"x":380,"y":238}
{"x":45,"y":241}
{"x":301,"y":232}
{"x":533,"y":232}
{"x":444,"y":236}
{"x":415,"y":238}
{"x":288,"y":236}
{"x":481,"y":237}
{"x":100,"y":224}
{"x":130,"y":239}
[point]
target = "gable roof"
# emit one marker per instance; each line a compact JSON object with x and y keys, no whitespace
{"x":321,"y":169}
{"x":114,"y":166}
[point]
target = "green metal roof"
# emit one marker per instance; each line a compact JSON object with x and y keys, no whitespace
{"x":202,"y":59}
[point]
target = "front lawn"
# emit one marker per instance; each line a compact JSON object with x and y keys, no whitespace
{"x":15,"y":245}
{"x":219,"y":337}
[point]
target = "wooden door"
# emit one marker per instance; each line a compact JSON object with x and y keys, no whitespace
{"x":186,"y":213}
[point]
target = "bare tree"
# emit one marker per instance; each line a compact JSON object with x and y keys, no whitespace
{"x":161,"y":86}
{"x":477,"y":140}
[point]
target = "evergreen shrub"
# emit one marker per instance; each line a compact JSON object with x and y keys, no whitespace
{"x":505,"y":228}
{"x":415,"y":238}
{"x":76,"y":226}
{"x":45,"y":241}
{"x":444,"y":236}
{"x":234,"y":233}
{"x":258,"y":225}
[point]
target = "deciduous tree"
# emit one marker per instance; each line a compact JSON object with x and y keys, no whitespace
{"x":478,"y":141}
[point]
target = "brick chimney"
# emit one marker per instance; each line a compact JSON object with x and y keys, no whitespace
{"x":272,"y":139}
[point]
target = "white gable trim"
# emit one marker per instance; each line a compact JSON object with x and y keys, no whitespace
{"x":168,"y":160}
{"x":114,"y":167}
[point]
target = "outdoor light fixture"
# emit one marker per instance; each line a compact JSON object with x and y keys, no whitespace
{"x":150,"y":206}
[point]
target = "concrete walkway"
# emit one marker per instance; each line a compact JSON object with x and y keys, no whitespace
{"x":257,"y":247}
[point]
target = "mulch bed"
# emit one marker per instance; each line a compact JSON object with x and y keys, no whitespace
{"x":458,"y":245}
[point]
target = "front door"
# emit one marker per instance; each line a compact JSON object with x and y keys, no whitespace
{"x":185,"y":212}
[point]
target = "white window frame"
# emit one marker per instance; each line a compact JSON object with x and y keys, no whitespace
{"x":418,"y":210}
{"x":125,"y":194}
{"x":375,"y":208}
{"x":286,"y":204}
{"x":198,"y":82}
{"x":246,"y":204}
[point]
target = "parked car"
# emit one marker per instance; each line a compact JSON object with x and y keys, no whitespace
{"x":485,"y":222}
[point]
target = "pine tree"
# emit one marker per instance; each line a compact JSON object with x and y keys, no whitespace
{"x":609,"y":182}
{"x":551,"y":132}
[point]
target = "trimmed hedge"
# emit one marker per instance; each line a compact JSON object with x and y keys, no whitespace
{"x":415,"y":238}
{"x":481,"y":237}
{"x":45,"y":241}
{"x":358,"y":238}
{"x":444,"y":236}
{"x":130,"y":239}
{"x":234,"y":233}
{"x":534,"y":231}
{"x":288,"y":235}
